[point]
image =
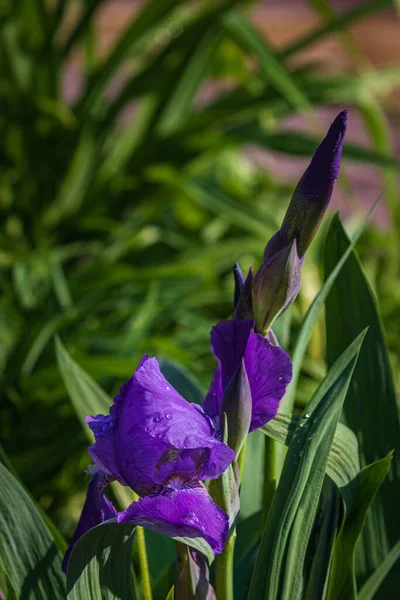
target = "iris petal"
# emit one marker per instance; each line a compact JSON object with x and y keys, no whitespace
{"x":151,"y":431}
{"x":268,"y":368}
{"x":96,"y":510}
{"x":187,"y":512}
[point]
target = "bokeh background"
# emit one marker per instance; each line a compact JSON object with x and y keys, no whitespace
{"x":146,"y":147}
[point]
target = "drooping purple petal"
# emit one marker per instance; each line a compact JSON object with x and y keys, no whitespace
{"x":153,"y":432}
{"x":96,"y":510}
{"x":268,"y":368}
{"x":186,"y":512}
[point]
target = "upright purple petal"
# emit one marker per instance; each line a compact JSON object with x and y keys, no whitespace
{"x":186,"y":512}
{"x":96,"y":510}
{"x":152,"y":432}
{"x":268,"y":368}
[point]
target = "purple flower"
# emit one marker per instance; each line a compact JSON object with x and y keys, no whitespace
{"x":162,"y":447}
{"x":268,"y":368}
{"x":277,"y":282}
{"x":313,"y":192}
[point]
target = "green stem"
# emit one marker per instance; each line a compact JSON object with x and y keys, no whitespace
{"x":224,"y":570}
{"x":143,"y":562}
{"x":270,"y":475}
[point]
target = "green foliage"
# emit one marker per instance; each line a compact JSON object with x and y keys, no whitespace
{"x":371,"y":409}
{"x":29,"y":556}
{"x":278,"y":572}
{"x":100,"y":564}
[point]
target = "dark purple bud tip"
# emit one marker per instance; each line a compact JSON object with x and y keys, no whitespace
{"x":314,"y":190}
{"x":326,"y":160}
{"x":239,"y":283}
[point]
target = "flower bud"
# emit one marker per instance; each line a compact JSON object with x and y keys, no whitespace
{"x":314,"y":190}
{"x":237,"y":405}
{"x":243,"y":301}
{"x":276,"y":286}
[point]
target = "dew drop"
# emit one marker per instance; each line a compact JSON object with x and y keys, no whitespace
{"x":307,"y":415}
{"x":298,"y":441}
{"x":168,"y":416}
{"x":301,"y":424}
{"x":167,"y":388}
{"x":301,"y":453}
{"x":280,"y":378}
{"x":157,"y":418}
{"x":189,"y":516}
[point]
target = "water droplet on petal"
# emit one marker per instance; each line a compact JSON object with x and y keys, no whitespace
{"x":280,"y":378}
{"x":157,"y":418}
{"x":168,"y":416}
{"x":168,"y":388}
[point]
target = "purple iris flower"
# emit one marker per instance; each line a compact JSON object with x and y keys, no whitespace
{"x":163,"y":448}
{"x":268,"y":369}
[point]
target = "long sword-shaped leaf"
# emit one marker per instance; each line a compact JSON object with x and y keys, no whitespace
{"x":371,"y":409}
{"x":28,"y":553}
{"x":100,"y":564}
{"x":276,"y":74}
{"x":372,"y":584}
{"x":342,"y":581}
{"x":311,"y":317}
{"x":279,"y":567}
{"x":343,"y":462}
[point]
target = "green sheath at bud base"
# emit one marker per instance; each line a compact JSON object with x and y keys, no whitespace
{"x":275,"y":286}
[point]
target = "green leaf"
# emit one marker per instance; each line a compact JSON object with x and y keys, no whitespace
{"x":276,"y":74}
{"x":372,"y":584}
{"x":304,"y":334}
{"x":179,"y":102}
{"x":371,"y":409}
{"x":87,"y":399}
{"x":362,"y":9}
{"x":342,"y":581}
{"x":141,"y":27}
{"x":28,"y":553}
{"x":279,"y":568}
{"x":319,"y":552}
{"x":100,"y":564}
{"x":76,"y":182}
{"x":343,"y":462}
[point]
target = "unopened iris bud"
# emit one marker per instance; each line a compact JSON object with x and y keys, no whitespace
{"x":236,"y":404}
{"x":314,"y":190}
{"x":242,"y":298}
{"x":276,"y":286}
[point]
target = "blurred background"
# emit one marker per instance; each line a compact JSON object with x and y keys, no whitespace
{"x":146,"y":147}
